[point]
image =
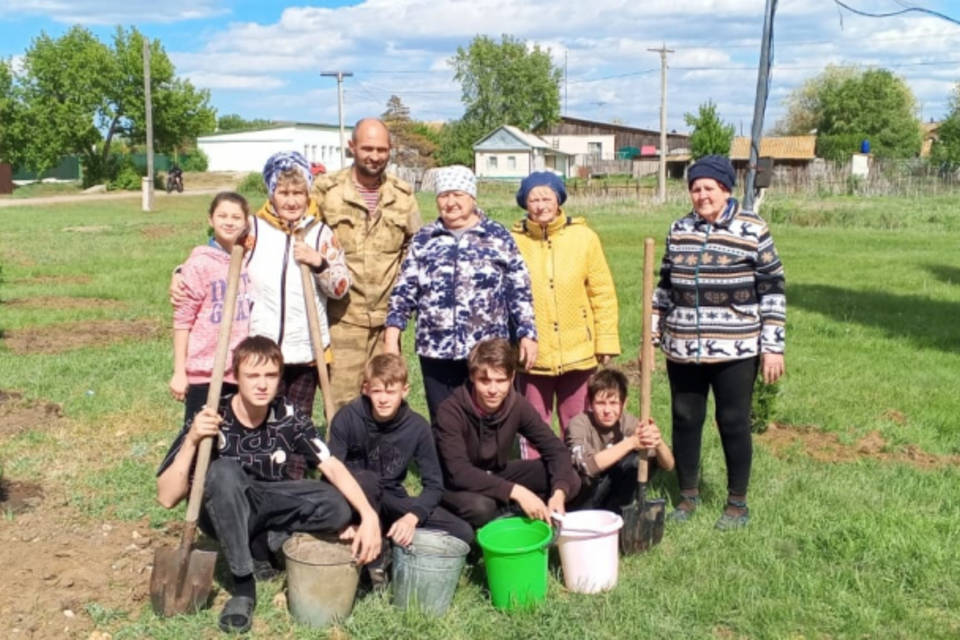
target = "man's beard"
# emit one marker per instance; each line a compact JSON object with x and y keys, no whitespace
{"x":369,"y":172}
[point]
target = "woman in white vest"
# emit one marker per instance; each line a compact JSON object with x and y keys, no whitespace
{"x":274,"y":259}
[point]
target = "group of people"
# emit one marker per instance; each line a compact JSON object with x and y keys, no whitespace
{"x":509,"y":325}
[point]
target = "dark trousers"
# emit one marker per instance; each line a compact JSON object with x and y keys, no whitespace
{"x":299,"y":386}
{"x":196,"y":397}
{"x":732,"y":384}
{"x":478,"y":509}
{"x":440,"y":378}
{"x":611,"y":490}
{"x":237,"y":508}
{"x":393,"y":507}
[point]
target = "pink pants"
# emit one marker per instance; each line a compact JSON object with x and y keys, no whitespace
{"x":569,"y":390}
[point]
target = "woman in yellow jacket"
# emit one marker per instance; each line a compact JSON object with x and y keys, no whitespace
{"x":574,"y":301}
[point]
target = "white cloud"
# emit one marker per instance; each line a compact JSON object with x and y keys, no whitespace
{"x":108,"y":12}
{"x":211,"y":80}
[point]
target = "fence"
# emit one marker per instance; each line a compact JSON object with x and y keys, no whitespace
{"x":886,"y":177}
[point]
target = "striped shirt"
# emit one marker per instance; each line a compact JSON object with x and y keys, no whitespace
{"x":721,"y":291}
{"x":371,"y":198}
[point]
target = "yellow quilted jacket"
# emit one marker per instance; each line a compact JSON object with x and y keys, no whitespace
{"x":574,"y":298}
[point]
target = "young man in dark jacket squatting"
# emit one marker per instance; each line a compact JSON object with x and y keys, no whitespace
{"x":379,"y":434}
{"x":475,"y":431}
{"x":255,"y":494}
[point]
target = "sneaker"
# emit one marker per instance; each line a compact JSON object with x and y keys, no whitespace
{"x":685,"y":509}
{"x":735,"y":515}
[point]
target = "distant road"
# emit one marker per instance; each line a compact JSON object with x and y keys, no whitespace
{"x":123,"y":195}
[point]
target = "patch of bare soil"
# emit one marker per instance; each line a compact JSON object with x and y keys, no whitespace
{"x":94,"y":228}
{"x":158,"y":231}
{"x":61,"y":279}
{"x":58,"y":338}
{"x":826,"y":447}
{"x":17,"y":497}
{"x":631,"y":369}
{"x":62,"y":302}
{"x":19,"y":414}
{"x":58,"y":568}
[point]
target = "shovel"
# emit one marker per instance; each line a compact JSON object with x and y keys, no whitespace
{"x":643,"y":519}
{"x":182,"y":577}
{"x":316,"y":338}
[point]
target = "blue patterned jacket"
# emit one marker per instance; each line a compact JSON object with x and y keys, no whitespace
{"x":463,"y":291}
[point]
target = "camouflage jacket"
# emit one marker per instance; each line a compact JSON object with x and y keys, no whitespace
{"x":374,"y":245}
{"x":463,"y":290}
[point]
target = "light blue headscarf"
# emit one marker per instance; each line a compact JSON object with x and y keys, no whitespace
{"x":283,"y":161}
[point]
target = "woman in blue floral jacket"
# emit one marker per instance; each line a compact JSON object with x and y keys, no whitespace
{"x":467,"y":282}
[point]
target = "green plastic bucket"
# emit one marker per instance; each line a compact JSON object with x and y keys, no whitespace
{"x":515,"y":555}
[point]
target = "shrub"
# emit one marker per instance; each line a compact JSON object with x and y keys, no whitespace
{"x":128,"y":179}
{"x":196,"y":160}
{"x":252,"y":183}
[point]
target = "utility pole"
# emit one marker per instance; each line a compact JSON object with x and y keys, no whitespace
{"x":760,"y":103}
{"x":146,"y":185}
{"x":340,"y":75}
{"x":565,"y":85}
{"x":662,"y":175}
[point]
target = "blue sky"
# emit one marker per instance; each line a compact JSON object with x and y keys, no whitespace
{"x":263,"y":59}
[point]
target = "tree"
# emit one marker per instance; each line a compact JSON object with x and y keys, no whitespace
{"x":507,"y":83}
{"x":710,"y":135}
{"x":946,"y":148}
{"x":847,"y":105}
{"x":396,"y":110}
{"x":234,"y":122}
{"x":78,"y":95}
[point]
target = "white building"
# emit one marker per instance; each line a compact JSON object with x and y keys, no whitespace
{"x":507,"y":153}
{"x":584,"y":147}
{"x":248,"y":150}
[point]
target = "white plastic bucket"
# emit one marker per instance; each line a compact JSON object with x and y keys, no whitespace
{"x":589,"y":552}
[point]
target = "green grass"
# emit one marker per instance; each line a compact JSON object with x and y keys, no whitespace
{"x":43,"y":189}
{"x":860,"y":549}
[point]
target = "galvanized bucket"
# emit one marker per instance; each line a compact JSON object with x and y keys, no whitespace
{"x":425,"y":574}
{"x":321,"y":579}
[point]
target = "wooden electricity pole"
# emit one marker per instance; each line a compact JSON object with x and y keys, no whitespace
{"x":146,"y":185}
{"x":662,"y":174}
{"x":340,"y":75}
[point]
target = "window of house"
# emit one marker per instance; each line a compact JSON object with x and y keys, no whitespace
{"x":594,"y":148}
{"x":491,"y":162}
{"x":511,"y":162}
{"x":306,"y":151}
{"x":313,"y":153}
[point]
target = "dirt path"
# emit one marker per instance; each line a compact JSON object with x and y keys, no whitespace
{"x":123,"y":195}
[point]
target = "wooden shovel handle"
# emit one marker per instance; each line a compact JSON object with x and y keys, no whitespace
{"x":316,"y":339}
{"x":216,"y":384}
{"x":646,"y":349}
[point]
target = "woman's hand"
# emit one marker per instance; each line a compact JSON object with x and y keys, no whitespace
{"x":178,"y":385}
{"x":304,"y":254}
{"x":772,"y":366}
{"x":178,"y":290}
{"x":528,"y":353}
{"x":604,"y":358}
{"x":391,"y":340}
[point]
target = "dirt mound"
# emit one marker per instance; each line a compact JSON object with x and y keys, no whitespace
{"x":58,"y":338}
{"x":62,"y":302}
{"x":17,"y":497}
{"x":827,"y":447}
{"x":60,"y":573}
{"x":19,"y":414}
{"x":157,"y":231}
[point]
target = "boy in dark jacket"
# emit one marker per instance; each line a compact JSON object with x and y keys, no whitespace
{"x":476,"y":428}
{"x":378,"y":433}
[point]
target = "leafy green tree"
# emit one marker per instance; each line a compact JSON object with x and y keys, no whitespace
{"x":847,"y":105}
{"x":946,"y":148}
{"x":234,"y":122}
{"x":79,"y":94}
{"x":414,"y":143}
{"x":456,"y":142}
{"x":710,"y":135}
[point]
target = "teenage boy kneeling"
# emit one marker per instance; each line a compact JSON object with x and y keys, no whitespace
{"x":379,"y":434}
{"x":255,"y":494}
{"x":605,"y":443}
{"x":476,"y":428}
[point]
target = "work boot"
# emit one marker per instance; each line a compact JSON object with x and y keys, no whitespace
{"x":735,"y":515}
{"x":685,"y":508}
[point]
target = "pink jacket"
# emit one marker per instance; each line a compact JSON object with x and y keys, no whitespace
{"x":205,"y":277}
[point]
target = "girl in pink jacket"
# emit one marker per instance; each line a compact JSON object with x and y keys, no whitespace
{"x":197,"y":314}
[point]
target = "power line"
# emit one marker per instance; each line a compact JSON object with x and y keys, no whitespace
{"x":890,"y":14}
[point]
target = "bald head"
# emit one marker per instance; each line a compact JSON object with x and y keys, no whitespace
{"x":370,"y":145}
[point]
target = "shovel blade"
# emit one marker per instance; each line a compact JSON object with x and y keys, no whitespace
{"x":642,"y":525}
{"x":181,"y":580}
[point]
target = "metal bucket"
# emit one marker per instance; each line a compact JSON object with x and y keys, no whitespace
{"x":321,"y":579}
{"x":425,"y":574}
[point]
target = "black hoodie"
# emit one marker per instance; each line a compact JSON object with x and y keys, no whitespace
{"x":386,"y":448}
{"x":473,"y":447}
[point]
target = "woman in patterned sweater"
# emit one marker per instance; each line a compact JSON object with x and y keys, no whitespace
{"x":719,"y":315}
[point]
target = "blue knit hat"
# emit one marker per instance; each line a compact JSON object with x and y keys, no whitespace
{"x":541,"y":179}
{"x":283,"y":161}
{"x":716,"y":167}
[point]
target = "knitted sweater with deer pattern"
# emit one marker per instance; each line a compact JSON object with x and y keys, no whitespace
{"x":721,"y":291}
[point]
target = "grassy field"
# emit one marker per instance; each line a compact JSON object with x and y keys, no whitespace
{"x":855,"y":519}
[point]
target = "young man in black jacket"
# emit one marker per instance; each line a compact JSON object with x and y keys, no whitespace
{"x":379,"y":433}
